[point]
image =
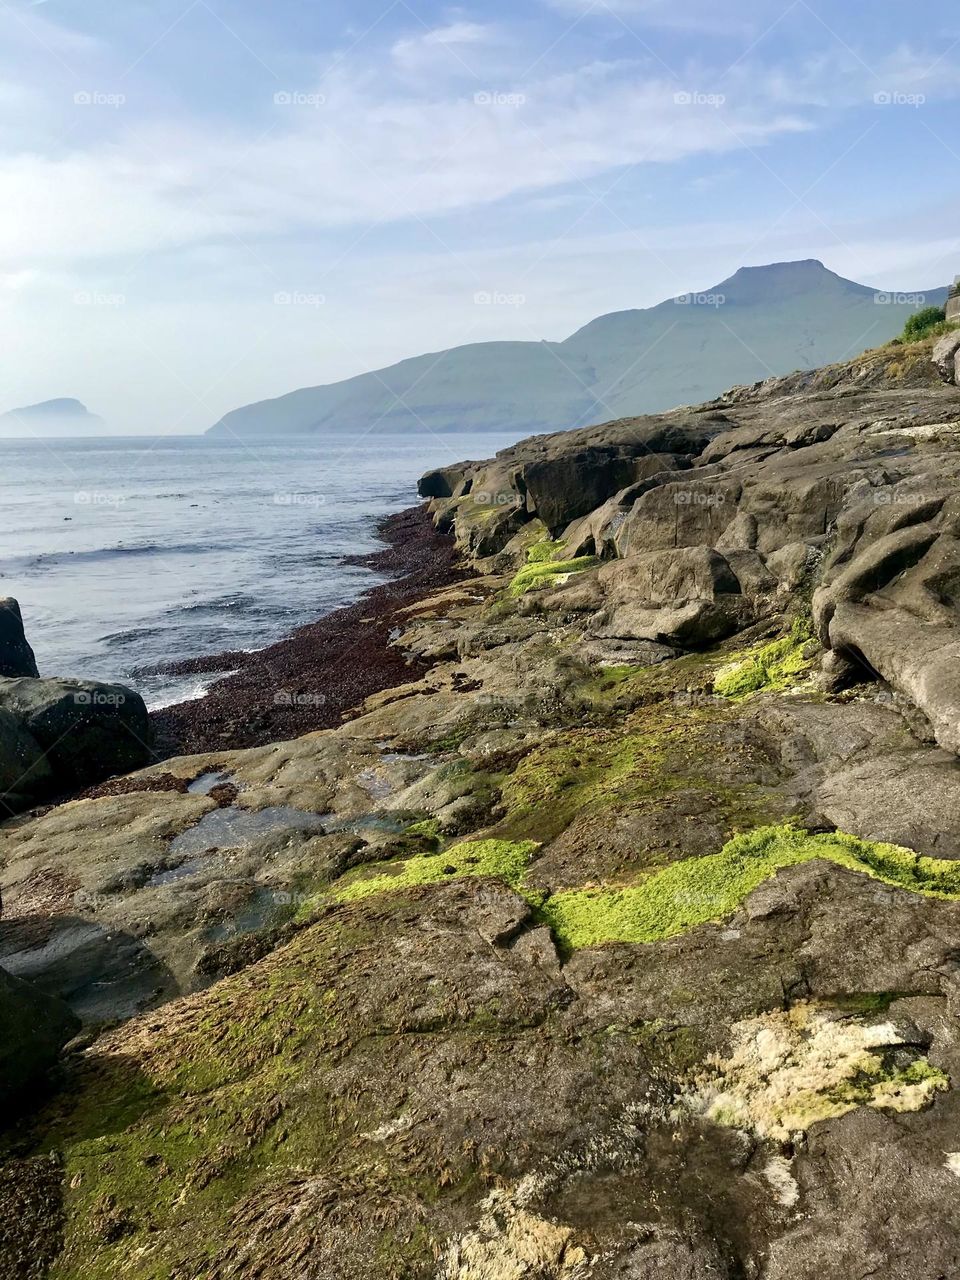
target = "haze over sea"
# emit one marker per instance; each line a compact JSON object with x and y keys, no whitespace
{"x":135,"y":552}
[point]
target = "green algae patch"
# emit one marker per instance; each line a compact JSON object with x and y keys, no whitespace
{"x":773,"y":667}
{"x":537,"y":574}
{"x":660,"y":748}
{"x":704,"y":890}
{"x":428,"y":829}
{"x":544,"y":551}
{"x":583,"y":767}
{"x":505,"y":859}
{"x":170,"y":1121}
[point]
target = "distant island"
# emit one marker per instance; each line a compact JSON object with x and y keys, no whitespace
{"x":61,"y":417}
{"x":762,"y":321}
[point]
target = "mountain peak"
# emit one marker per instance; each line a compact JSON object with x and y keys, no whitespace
{"x":782,"y":279}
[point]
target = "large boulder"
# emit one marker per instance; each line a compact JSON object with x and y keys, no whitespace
{"x":85,"y":729}
{"x":946,"y":354}
{"x":35,"y":1027}
{"x":16,"y":656}
{"x":688,"y":597}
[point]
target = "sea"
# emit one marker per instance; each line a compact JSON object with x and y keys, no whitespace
{"x":129,"y":553}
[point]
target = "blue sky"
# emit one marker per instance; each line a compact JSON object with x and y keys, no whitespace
{"x":207,"y":202}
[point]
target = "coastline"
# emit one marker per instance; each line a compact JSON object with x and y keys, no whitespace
{"x":313,"y":677}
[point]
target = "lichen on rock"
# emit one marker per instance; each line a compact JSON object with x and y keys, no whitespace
{"x":510,"y":1242}
{"x":788,"y":1070}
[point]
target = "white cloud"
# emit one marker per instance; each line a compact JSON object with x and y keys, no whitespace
{"x":361,"y":157}
{"x":418,"y":52}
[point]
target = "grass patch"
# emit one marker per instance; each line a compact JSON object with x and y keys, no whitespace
{"x":924,"y":324}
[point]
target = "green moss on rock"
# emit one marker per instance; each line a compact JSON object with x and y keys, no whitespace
{"x":539,"y":574}
{"x":544,"y":551}
{"x":504,"y":859}
{"x":774,"y":666}
{"x":428,"y":829}
{"x":701,"y":890}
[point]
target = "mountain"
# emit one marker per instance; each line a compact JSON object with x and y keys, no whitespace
{"x":51,"y":418}
{"x":761,"y":321}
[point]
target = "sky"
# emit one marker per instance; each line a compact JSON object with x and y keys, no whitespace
{"x":209,"y":202}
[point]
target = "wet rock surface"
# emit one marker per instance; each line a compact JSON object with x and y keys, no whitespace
{"x":618,"y":940}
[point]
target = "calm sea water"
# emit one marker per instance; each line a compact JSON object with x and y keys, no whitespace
{"x":125,"y":553}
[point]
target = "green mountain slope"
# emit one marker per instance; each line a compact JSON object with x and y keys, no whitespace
{"x":762,"y":321}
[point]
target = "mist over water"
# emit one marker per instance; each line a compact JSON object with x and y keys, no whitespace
{"x":125,"y":554}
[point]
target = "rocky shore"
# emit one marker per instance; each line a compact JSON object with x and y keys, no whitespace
{"x":613,"y":935}
{"x":311,"y":679}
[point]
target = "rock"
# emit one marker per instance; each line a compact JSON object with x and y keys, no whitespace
{"x":16,"y":656}
{"x":443,"y":482}
{"x":908,"y":799}
{"x":86,"y":730}
{"x":35,"y":1029}
{"x":24,"y":768}
{"x":685,"y":598}
{"x":945,"y":354}
{"x":646,"y":1025}
{"x":919,"y":660}
{"x":667,"y":1254}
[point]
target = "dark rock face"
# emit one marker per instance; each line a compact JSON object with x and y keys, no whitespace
{"x":35,"y":1029}
{"x":16,"y":656}
{"x":86,"y":729}
{"x":57,"y":735}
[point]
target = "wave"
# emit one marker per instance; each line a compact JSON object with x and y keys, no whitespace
{"x":51,"y":559}
{"x":173,"y":696}
{"x":221,"y":604}
{"x":117,"y":638}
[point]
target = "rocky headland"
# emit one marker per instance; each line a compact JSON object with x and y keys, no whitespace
{"x":618,"y":942}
